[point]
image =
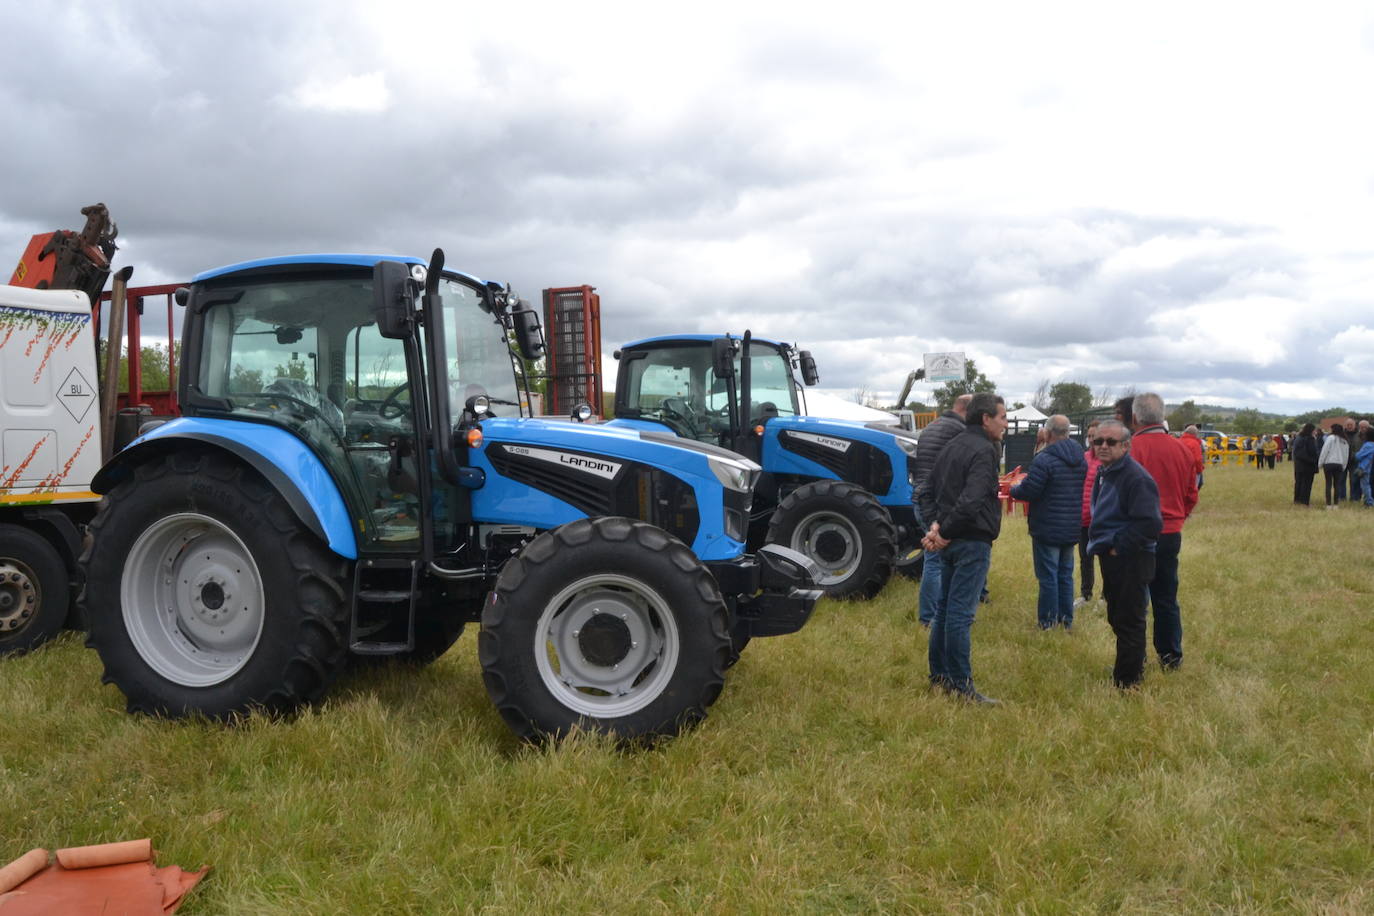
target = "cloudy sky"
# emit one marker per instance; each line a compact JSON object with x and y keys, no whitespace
{"x":1177,"y":197}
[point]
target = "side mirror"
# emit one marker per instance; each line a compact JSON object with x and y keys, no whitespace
{"x":393,"y":298}
{"x":808,"y":367}
{"x":723,"y":357}
{"x":529,"y":335}
{"x":182,"y":295}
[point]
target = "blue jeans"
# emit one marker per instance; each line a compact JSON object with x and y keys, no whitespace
{"x":1365,"y":489}
{"x":930,"y":587}
{"x":963,"y":571}
{"x":1054,"y":572}
{"x":1168,"y":631}
{"x":930,"y":578}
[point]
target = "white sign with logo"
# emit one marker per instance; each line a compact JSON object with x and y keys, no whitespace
{"x":944,"y":367}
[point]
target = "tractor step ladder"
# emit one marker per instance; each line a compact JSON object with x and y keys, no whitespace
{"x":382,"y":621}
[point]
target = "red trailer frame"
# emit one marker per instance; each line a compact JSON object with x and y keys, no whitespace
{"x":572,"y":330}
{"x":163,"y":402}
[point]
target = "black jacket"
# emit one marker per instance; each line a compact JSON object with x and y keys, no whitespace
{"x":929,"y":445}
{"x":963,"y":484}
{"x":1304,"y":450}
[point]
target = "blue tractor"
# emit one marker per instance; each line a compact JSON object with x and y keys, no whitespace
{"x":838,"y":491}
{"x":352,"y":476}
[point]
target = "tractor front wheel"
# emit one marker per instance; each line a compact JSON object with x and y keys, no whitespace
{"x":844,"y":529}
{"x":609,"y":625}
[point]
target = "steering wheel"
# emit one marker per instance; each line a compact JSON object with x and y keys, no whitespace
{"x":391,"y":408}
{"x":679,"y":413}
{"x":305,"y":407}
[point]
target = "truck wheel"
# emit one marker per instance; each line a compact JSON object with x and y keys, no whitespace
{"x":34,"y":594}
{"x":844,"y":529}
{"x":609,"y":625}
{"x":205,"y":593}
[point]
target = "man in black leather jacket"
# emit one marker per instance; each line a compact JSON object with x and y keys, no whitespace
{"x":966,"y":520}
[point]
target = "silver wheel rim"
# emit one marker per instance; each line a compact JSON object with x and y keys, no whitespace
{"x":606,"y":646}
{"x":807,"y":537}
{"x":192,"y":600}
{"x":20,"y":595}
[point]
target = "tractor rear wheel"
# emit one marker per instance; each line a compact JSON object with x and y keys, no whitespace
{"x":608,"y":625}
{"x":844,"y":529}
{"x":34,"y":594}
{"x":205,"y":594}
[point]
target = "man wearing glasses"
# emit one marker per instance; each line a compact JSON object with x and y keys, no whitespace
{"x":967,"y":518}
{"x":1126,"y":522}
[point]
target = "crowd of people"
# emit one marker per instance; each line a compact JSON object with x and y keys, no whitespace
{"x":1123,"y":502}
{"x":1343,"y":454}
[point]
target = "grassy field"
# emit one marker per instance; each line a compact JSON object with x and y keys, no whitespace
{"x":828,"y":777}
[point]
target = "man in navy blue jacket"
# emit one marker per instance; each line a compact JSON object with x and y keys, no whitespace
{"x":1126,"y":523}
{"x":1054,"y":489}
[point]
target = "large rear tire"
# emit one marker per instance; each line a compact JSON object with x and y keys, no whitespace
{"x":608,"y":625}
{"x":844,"y":529}
{"x":34,"y":592}
{"x":206,"y":594}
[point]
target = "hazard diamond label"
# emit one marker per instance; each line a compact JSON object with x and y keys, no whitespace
{"x":77,"y":395}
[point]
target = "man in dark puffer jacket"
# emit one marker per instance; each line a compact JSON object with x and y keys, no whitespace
{"x":933,"y":440}
{"x":1054,"y":489}
{"x":967,"y":519}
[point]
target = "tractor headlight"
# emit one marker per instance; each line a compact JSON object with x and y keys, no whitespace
{"x":907,"y":445}
{"x":738,"y":474}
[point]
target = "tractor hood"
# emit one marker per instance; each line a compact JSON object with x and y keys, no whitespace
{"x":544,"y":473}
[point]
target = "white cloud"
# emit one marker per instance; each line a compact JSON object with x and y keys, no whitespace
{"x":366,"y":93}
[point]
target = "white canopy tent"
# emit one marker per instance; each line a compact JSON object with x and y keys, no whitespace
{"x":1024,"y":418}
{"x":820,"y":404}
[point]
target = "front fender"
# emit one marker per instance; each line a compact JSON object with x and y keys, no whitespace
{"x":285,"y":461}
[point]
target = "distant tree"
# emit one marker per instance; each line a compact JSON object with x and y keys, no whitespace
{"x":1018,"y":405}
{"x":972,"y":383}
{"x":1069,"y":398}
{"x":152,"y":361}
{"x":1249,"y":422}
{"x":860,"y":395}
{"x":916,"y":407}
{"x":1040,"y":399}
{"x":245,"y":381}
{"x":1185,"y":414}
{"x":1105,"y":397}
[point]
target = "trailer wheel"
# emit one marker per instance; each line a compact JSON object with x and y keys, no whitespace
{"x":34,"y":594}
{"x":206,"y":595}
{"x":609,"y":625}
{"x":844,"y":529}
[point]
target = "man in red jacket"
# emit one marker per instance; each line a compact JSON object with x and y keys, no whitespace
{"x":1173,"y":465}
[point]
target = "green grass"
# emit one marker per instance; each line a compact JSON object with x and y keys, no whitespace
{"x":828,"y":777}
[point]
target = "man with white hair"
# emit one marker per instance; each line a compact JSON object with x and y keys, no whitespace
{"x":1053,"y":492}
{"x":1172,"y":464}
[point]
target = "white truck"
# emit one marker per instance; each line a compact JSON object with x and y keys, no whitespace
{"x":50,"y":448}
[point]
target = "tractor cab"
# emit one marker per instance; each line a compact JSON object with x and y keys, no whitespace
{"x":709,"y":388}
